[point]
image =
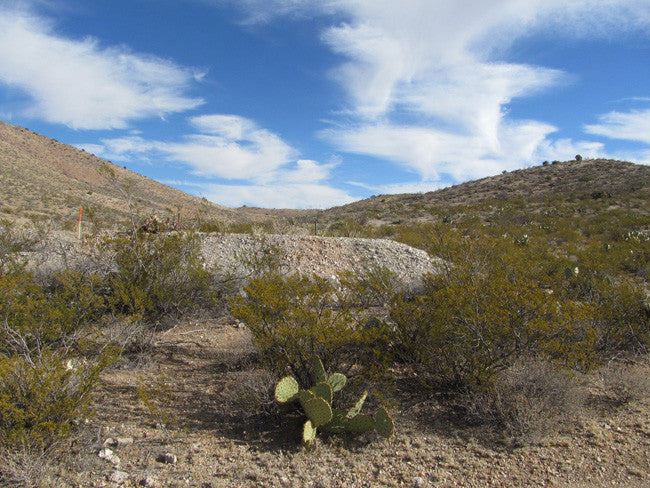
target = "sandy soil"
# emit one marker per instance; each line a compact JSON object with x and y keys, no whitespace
{"x":227,"y":432}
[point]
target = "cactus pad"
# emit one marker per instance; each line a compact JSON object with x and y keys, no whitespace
{"x":304,"y":396}
{"x":361,"y":423}
{"x":354,"y":411}
{"x":319,"y":370}
{"x":338,"y":422}
{"x":318,"y":411}
{"x":308,"y":433}
{"x":286,"y":389}
{"x":384,"y":423}
{"x":322,"y":390}
{"x":337,"y":381}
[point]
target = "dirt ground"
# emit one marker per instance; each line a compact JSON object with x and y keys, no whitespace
{"x":222,"y":429}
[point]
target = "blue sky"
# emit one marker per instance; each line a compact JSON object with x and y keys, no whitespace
{"x":316,"y":103}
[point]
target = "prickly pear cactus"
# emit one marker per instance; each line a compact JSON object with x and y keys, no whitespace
{"x":384,"y":423}
{"x":319,"y":370}
{"x":337,"y":381}
{"x":308,"y":433}
{"x":322,"y":390}
{"x":286,"y":389}
{"x":361,"y":423}
{"x":317,"y":405}
{"x":318,"y":411}
{"x":354,"y":411}
{"x":338,"y":423}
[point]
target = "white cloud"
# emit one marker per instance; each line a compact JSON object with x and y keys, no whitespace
{"x":434,"y":153}
{"x":82,"y":84}
{"x":299,"y":195}
{"x":234,"y":148}
{"x":565,"y":149}
{"x":427,"y":82}
{"x":633,"y":126}
{"x":396,"y":188}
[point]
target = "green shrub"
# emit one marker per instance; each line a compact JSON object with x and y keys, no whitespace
{"x":157,"y":275}
{"x":296,"y":318}
{"x":42,"y":397}
{"x":486,"y":310}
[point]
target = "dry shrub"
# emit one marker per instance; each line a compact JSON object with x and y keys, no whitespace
{"x":530,"y":400}
{"x":251,"y":393}
{"x":23,"y":467}
{"x":625,"y":383}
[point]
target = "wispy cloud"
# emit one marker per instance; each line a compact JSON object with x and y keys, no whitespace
{"x":428,"y":83}
{"x":268,"y":171}
{"x":633,"y":125}
{"x":83,"y":85}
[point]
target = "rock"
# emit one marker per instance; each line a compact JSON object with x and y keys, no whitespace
{"x":148,"y":482}
{"x":167,"y":458}
{"x":109,"y":455}
{"x":118,"y":477}
{"x":418,"y":482}
{"x":110,"y":442}
{"x":124,"y":441}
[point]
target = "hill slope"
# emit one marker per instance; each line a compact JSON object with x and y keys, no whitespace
{"x":43,"y":178}
{"x":622,"y":183}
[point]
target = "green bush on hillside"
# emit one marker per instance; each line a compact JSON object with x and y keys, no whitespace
{"x":43,"y":397}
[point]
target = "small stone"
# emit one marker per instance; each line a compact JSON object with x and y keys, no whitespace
{"x":418,"y":482}
{"x":167,"y":458}
{"x":118,"y":477}
{"x":109,"y":455}
{"x":110,"y":442}
{"x":148,"y":482}
{"x":124,"y":441}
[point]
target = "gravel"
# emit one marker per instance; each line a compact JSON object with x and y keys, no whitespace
{"x":322,"y":256}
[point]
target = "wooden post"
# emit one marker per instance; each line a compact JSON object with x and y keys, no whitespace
{"x":315,"y":227}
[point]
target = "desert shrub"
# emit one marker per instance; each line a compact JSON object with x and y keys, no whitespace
{"x":622,"y":318}
{"x":529,"y":401}
{"x":484,"y":311}
{"x":157,"y":275}
{"x":369,"y":285}
{"x":296,"y":318}
{"x":263,"y":259}
{"x":42,"y":397}
{"x":50,"y":315}
{"x":623,"y":382}
{"x":14,"y":242}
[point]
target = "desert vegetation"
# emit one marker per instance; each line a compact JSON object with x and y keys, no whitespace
{"x":537,"y":302}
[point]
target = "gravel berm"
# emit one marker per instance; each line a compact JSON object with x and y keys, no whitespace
{"x":314,"y":255}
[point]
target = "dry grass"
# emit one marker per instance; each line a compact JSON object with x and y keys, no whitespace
{"x":530,"y":401}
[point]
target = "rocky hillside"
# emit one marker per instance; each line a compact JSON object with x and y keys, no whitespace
{"x":43,"y":178}
{"x":623,"y":183}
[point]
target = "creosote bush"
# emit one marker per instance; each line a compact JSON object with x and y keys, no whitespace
{"x":43,"y":397}
{"x":296,"y":318}
{"x":157,"y":275}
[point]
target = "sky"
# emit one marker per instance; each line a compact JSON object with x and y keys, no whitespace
{"x":317,"y":103}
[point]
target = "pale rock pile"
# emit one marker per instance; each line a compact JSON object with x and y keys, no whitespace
{"x":322,"y":256}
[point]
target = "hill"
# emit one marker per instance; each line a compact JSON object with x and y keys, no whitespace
{"x":41,"y":178}
{"x":622,"y":183}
